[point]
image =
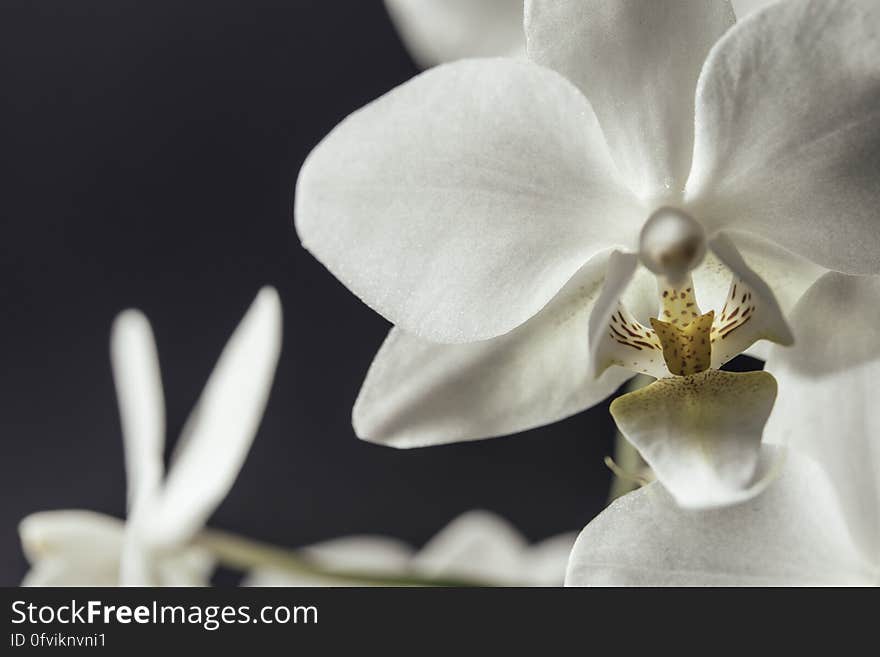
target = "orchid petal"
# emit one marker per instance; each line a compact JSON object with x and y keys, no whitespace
{"x":372,"y":555}
{"x":637,"y":62}
{"x":71,"y":548}
{"x":749,"y":314}
{"x":615,"y":336}
{"x":141,"y":565}
{"x":790,"y":535}
{"x":141,"y":403}
{"x":437,"y":31}
{"x":57,"y":571}
{"x":701,"y":433}
{"x":743,"y":8}
{"x":827,"y":404}
{"x":545,"y":562}
{"x":476,"y":185}
{"x":476,"y":545}
{"x":137,"y":563}
{"x":788,"y":131}
{"x":73,"y":533}
{"x":190,"y":567}
{"x":788,"y":275}
{"x":219,"y":433}
{"x":419,"y":393}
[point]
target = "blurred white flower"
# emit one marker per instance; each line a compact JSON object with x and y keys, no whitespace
{"x":478,"y":546}
{"x":819,"y":522}
{"x":152,"y":547}
{"x":745,"y":7}
{"x":479,"y":206}
{"x":438,"y":31}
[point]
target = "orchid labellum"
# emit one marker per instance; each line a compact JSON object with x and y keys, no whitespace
{"x":819,"y":522}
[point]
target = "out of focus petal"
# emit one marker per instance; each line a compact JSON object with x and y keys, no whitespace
{"x":219,"y":433}
{"x":828,"y":394}
{"x":438,"y":31}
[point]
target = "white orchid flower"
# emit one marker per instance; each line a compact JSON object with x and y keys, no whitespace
{"x":477,"y":546}
{"x":478,"y":208}
{"x":438,"y":31}
{"x":153,"y":546}
{"x":819,"y":522}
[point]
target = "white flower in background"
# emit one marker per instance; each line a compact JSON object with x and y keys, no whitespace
{"x":478,"y":547}
{"x":819,"y":522}
{"x":478,"y":208}
{"x":745,"y":7}
{"x":438,"y":31}
{"x":152,"y":547}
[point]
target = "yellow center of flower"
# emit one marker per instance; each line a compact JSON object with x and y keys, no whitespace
{"x":684,"y":334}
{"x":687,"y":348}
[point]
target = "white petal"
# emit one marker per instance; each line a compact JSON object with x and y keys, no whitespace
{"x":828,"y":384}
{"x":419,"y":393}
{"x":637,"y":62}
{"x":70,"y":532}
{"x":701,"y":434}
{"x":218,"y":435}
{"x":788,"y":131}
{"x":545,"y":562}
{"x":788,"y":275}
{"x":641,"y":352}
{"x":142,"y":565}
{"x":749,"y":314}
{"x":57,"y":571}
{"x":791,"y":535}
{"x":141,"y":403}
{"x":478,"y":546}
{"x":437,"y":31}
{"x":746,"y":7}
{"x":373,"y":555}
{"x":137,"y":562}
{"x":460,"y":203}
{"x":190,"y":567}
{"x":71,"y":548}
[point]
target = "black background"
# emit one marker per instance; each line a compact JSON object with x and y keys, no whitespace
{"x":149,"y":152}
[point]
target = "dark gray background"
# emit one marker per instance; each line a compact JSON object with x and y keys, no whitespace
{"x":149,"y":152}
